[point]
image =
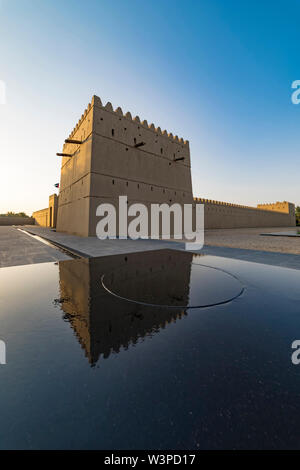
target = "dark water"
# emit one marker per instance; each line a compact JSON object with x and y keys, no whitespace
{"x":86,"y":369}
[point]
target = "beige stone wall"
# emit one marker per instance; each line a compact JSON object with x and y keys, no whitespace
{"x":74,"y":193}
{"x":225,"y":215}
{"x":108,"y":164}
{"x":16,"y":221}
{"x":53,"y":207}
{"x":41,"y":217}
{"x":47,"y":217}
{"x":285,"y":207}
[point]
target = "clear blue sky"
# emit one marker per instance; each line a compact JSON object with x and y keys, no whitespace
{"x":215,"y":72}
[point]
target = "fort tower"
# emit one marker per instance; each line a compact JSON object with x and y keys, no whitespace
{"x":119,"y":155}
{"x":109,"y":154}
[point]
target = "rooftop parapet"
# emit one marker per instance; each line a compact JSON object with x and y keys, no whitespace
{"x":269,"y":206}
{"x":96,"y":101}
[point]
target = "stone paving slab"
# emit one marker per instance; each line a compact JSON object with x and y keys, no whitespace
{"x":251,"y":239}
{"x":17,"y":248}
{"x":92,"y":246}
{"x":294,"y":233}
{"x":285,"y":260}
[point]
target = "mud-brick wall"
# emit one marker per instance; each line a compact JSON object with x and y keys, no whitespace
{"x":225,"y":215}
{"x":16,"y":221}
{"x":41,"y":217}
{"x":47,"y":217}
{"x":119,"y":155}
{"x":116,"y":154}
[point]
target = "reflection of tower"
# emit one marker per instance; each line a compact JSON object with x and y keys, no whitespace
{"x":103,"y":323}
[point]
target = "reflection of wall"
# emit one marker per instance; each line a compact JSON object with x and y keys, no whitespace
{"x":103,"y":323}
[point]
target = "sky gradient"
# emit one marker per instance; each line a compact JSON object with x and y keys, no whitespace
{"x":216,"y":73}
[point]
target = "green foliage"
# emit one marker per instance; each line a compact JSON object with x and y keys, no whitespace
{"x":14,"y":214}
{"x":298,"y":215}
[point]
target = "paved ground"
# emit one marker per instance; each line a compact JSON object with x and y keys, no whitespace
{"x":17,"y":248}
{"x":290,"y":233}
{"x":91,"y":246}
{"x":251,"y":239}
{"x":286,"y":260}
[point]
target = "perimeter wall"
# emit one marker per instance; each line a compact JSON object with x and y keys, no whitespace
{"x":109,"y":153}
{"x":219,"y":214}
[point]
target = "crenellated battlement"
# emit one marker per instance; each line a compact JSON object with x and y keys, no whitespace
{"x":221,"y":203}
{"x":96,"y":101}
{"x":282,"y":207}
{"x":114,"y":153}
{"x":119,"y":112}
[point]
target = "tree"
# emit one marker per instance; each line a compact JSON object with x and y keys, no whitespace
{"x":298,"y":215}
{"x":14,"y":214}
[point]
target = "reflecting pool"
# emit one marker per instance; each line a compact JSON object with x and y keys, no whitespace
{"x":154,"y":350}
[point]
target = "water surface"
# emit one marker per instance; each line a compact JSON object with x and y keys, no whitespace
{"x":88,"y":370}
